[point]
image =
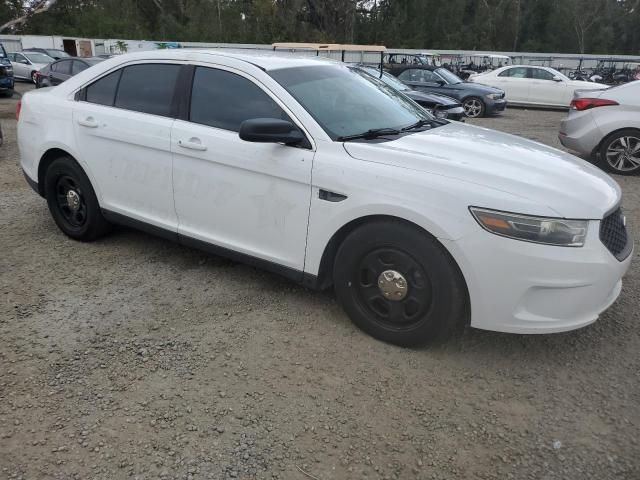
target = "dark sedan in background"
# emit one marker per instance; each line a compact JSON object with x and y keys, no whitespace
{"x":439,"y":105}
{"x":477,"y":100}
{"x":57,"y":72}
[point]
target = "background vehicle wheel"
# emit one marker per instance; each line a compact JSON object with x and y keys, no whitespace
{"x":474,"y":107}
{"x":34,"y":76}
{"x":399,"y":284}
{"x":620,"y":152}
{"x":72,"y":201}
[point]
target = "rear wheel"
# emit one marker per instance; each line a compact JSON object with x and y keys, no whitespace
{"x":474,"y":107}
{"x":72,"y":201}
{"x":620,"y":152}
{"x":399,"y":284}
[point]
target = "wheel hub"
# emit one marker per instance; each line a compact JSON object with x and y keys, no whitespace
{"x":73,"y":200}
{"x":392,"y":285}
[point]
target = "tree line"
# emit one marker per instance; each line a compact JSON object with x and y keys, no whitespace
{"x":581,"y":26}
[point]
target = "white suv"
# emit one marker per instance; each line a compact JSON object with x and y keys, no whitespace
{"x":328,"y":176}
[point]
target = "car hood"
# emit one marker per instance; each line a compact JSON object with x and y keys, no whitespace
{"x":571,"y":187}
{"x":475,"y":88}
{"x":431,"y":97}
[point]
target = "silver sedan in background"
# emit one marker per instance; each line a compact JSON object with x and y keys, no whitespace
{"x":606,"y":125}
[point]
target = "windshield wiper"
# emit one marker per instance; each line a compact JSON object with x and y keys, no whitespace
{"x":370,"y":134}
{"x":423,"y":123}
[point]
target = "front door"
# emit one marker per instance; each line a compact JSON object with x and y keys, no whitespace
{"x":545,"y":90}
{"x":251,"y":198}
{"x":424,"y":80}
{"x":59,"y":72}
{"x":123,"y":130}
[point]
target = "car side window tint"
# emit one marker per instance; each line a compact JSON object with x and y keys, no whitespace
{"x":517,"y":72}
{"x":64,"y":67}
{"x":148,"y":88}
{"x":103,"y":91}
{"x":12,"y":57}
{"x":224,"y":100}
{"x":53,"y":66}
{"x":540,"y":74}
{"x":78,"y":67}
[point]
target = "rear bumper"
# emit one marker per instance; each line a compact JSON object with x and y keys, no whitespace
{"x":579,"y":132}
{"x":32,"y":183}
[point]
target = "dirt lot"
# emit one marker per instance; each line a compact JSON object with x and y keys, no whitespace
{"x":133,"y":357}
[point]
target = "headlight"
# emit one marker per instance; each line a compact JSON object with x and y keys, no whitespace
{"x":550,"y":231}
{"x":494,"y":96}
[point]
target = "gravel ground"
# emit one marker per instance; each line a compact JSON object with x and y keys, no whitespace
{"x":133,"y":357}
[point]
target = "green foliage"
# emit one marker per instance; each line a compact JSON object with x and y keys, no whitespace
{"x":590,"y":26}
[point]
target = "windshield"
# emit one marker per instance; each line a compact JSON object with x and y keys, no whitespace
{"x":387,"y":78}
{"x":58,"y":53}
{"x":39,"y":57}
{"x":450,"y":78}
{"x":347,"y":101}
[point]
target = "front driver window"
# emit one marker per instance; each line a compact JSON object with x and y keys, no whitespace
{"x":540,"y":74}
{"x":224,"y":100}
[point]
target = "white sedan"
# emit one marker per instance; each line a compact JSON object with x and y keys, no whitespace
{"x":530,"y":85}
{"x":322,"y":173}
{"x":26,"y":64}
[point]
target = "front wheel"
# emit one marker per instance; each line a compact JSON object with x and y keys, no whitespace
{"x":620,"y":152}
{"x":399,"y":284}
{"x":474,"y":107}
{"x":72,"y":201}
{"x":34,"y":77}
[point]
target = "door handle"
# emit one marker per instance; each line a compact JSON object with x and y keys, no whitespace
{"x":193,"y":144}
{"x":88,"y":122}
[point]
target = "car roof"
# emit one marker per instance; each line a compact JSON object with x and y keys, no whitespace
{"x":263,"y":59}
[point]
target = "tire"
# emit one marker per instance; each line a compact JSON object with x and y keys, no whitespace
{"x":474,"y":107}
{"x":78,"y":215}
{"x":435,"y":301}
{"x":620,"y":152}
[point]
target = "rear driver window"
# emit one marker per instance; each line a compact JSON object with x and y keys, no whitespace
{"x":147,"y":88}
{"x":224,"y":100}
{"x":103,"y":92}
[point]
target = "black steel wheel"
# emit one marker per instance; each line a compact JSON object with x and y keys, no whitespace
{"x":399,"y":284}
{"x":72,"y":201}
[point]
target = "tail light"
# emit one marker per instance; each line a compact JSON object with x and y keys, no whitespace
{"x":18,"y":108}
{"x":581,"y":104}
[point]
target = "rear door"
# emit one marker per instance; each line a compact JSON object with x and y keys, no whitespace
{"x":61,"y":73}
{"x":123,"y":129}
{"x":515,"y":83}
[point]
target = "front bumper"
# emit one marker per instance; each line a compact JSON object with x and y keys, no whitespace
{"x":521,"y":287}
{"x":6,"y":83}
{"x":495,"y":106}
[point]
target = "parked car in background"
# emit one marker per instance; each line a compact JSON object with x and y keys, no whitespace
{"x":6,"y":73}
{"x":477,"y":100}
{"x":531,"y":85}
{"x":316,"y":171}
{"x":61,"y":70}
{"x":606,"y":124}
{"x":26,"y":65}
{"x":54,"y":53}
{"x":440,"y":106}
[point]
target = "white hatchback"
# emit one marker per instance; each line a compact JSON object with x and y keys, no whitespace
{"x":328,"y":176}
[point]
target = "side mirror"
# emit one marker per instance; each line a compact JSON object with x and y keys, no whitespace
{"x":270,"y":130}
{"x":556,"y":78}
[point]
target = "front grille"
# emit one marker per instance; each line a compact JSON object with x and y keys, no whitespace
{"x":614,"y":235}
